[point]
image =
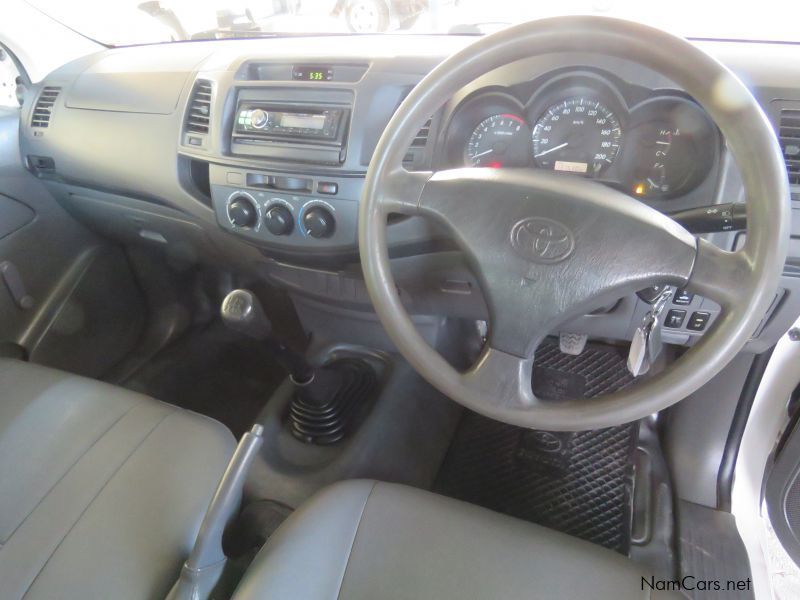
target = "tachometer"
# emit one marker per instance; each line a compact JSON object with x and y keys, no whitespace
{"x":578,"y":135}
{"x":499,"y":141}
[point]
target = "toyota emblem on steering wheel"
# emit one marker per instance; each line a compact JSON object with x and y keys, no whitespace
{"x":542,"y":240}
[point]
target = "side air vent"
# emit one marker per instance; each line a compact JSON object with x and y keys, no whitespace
{"x":789,"y":134}
{"x":198,"y":114}
{"x":422,"y":136}
{"x":415,"y":157}
{"x":44,"y":106}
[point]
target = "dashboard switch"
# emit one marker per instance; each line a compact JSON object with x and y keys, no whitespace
{"x":318,"y":222}
{"x":698,"y":321}
{"x":279,"y":220}
{"x":682,"y":298}
{"x":328,"y":187}
{"x":675,"y":318}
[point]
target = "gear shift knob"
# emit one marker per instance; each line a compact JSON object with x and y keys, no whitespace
{"x":242,"y":311}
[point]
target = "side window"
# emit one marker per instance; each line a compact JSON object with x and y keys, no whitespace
{"x":8,"y":80}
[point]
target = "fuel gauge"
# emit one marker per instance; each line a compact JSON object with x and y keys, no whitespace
{"x":671,"y":149}
{"x":657,"y":171}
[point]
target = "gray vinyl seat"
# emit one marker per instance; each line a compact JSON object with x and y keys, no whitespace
{"x":367,"y":540}
{"x":102,"y":490}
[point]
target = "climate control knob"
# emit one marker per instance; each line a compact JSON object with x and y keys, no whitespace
{"x":318,"y":222}
{"x":242,"y":212}
{"x":279,"y":220}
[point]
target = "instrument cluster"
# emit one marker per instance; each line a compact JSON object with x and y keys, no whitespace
{"x":651,"y":144}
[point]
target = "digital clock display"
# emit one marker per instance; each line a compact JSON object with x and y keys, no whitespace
{"x":312,"y":73}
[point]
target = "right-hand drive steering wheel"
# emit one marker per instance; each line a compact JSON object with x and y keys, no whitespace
{"x":608,"y":244}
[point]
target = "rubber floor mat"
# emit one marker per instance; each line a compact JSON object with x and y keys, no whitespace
{"x":579,"y":483}
{"x":213,"y":371}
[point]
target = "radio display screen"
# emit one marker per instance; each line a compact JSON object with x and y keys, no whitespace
{"x":302,"y":121}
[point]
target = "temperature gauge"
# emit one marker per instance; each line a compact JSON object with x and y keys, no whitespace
{"x":663,"y":163}
{"x":672,"y":147}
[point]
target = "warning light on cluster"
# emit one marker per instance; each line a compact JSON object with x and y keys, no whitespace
{"x":639,"y":189}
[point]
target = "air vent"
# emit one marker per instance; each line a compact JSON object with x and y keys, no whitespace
{"x":198,"y":115}
{"x":415,"y":157}
{"x":422,"y":136}
{"x":790,"y":142}
{"x":44,"y":106}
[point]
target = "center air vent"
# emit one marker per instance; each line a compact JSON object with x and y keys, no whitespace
{"x":44,"y":106}
{"x":198,"y":114}
{"x":789,"y":134}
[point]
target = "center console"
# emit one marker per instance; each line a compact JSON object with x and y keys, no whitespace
{"x":296,"y":126}
{"x":286,"y":209}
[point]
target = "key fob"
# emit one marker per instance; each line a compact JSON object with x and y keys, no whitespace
{"x":654,"y":343}
{"x":637,"y":357}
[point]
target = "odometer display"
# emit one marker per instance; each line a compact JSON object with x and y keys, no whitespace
{"x":577,"y":135}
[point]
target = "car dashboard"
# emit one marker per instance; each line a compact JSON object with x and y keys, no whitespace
{"x":252,"y":155}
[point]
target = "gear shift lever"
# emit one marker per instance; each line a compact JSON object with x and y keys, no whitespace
{"x":327,"y":400}
{"x":242,"y":312}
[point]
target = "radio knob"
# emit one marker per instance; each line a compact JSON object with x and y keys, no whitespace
{"x":242,"y":212}
{"x":259,"y":118}
{"x":318,"y":222}
{"x":279,"y":220}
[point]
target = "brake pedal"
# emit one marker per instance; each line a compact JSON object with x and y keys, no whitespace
{"x":572,"y":343}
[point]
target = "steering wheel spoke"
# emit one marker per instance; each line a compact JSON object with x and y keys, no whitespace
{"x":401,"y":191}
{"x":503,"y":379}
{"x":720,"y":275}
{"x":547,"y":248}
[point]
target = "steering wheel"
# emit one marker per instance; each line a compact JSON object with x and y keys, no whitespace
{"x":600,"y":244}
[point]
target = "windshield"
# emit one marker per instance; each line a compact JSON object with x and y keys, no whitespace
{"x":124,"y":22}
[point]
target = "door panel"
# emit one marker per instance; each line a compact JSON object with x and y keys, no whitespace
{"x":782,"y":493}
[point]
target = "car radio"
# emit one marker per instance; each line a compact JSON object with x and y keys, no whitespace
{"x":292,"y":123}
{"x":306,"y":132}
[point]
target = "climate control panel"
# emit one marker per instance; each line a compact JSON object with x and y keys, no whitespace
{"x":287,"y":211}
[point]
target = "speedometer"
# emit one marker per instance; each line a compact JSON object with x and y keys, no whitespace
{"x":578,"y":135}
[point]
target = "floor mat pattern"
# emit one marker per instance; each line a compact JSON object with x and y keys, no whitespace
{"x":579,"y":483}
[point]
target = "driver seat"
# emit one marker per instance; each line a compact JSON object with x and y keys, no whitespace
{"x":365,"y":540}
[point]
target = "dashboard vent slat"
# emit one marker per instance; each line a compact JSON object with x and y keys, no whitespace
{"x":198,"y":114}
{"x":43,"y":108}
{"x":421,"y":139}
{"x":415,"y":157}
{"x":789,"y":133}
